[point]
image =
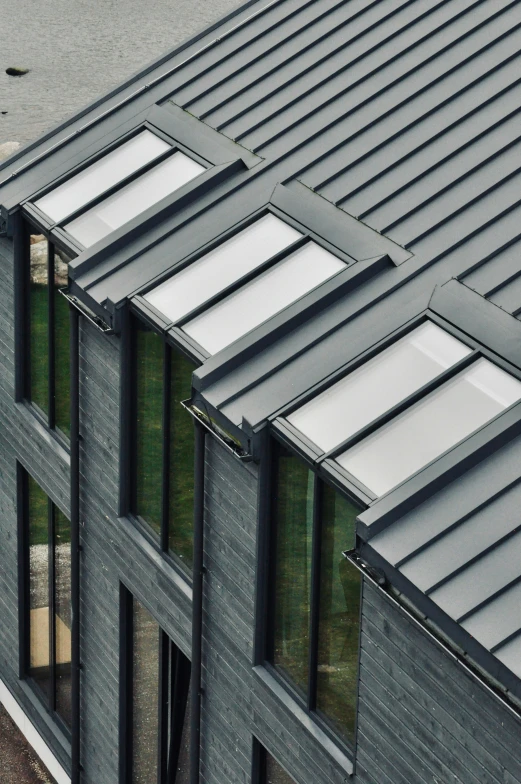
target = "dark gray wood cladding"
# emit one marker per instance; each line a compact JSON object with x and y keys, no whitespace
{"x":421,"y":717}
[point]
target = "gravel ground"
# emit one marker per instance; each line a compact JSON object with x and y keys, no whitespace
{"x":18,"y":763}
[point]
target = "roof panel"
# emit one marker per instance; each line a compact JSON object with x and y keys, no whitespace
{"x":498,"y":620}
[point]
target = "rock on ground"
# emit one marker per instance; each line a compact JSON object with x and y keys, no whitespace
{"x":8,"y":148}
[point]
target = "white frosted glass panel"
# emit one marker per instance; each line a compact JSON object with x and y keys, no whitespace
{"x":134,"y":198}
{"x":218,"y":269}
{"x":97,"y":178}
{"x":257,"y":301}
{"x":378,"y":385}
{"x":432,"y":426}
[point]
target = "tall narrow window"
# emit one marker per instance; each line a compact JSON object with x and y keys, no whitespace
{"x":47,"y":369}
{"x":266,"y":769}
{"x":315,"y":593}
{"x":163,"y":483}
{"x":156,"y":747}
{"x":47,"y":605}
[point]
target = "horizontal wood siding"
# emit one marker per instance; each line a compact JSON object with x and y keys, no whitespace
{"x":422,"y":719}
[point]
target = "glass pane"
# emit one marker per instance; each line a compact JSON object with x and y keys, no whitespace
{"x":205,"y":278}
{"x":149,"y":403}
{"x":259,"y":300}
{"x":181,"y":501}
{"x":62,"y":362}
{"x":429,"y":428}
{"x":294,"y":533}
{"x":339,"y":610}
{"x":145,"y":697}
{"x":274,"y":773}
{"x":99,"y":176}
{"x":378,"y":385}
{"x":134,"y":198}
{"x":39,"y":321}
{"x":63,"y":616}
{"x":39,"y":612}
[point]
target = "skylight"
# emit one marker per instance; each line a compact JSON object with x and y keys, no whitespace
{"x":378,"y":385}
{"x":221,"y":267}
{"x":265,"y":295}
{"x":134,"y":198}
{"x":102,"y":175}
{"x":427,"y":429}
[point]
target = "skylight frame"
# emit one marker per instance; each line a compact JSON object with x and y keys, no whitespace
{"x":57,"y":228}
{"x":324,"y":462}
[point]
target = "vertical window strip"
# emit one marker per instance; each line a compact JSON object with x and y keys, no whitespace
{"x":163,"y":486}
{"x":315,"y":603}
{"x":48,"y":660}
{"x":157,"y":739}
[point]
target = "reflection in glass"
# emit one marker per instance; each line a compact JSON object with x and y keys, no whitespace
{"x":378,"y":385}
{"x":294,"y":526}
{"x":435,"y":424}
{"x":264,"y":296}
{"x":181,"y":499}
{"x":145,"y":696}
{"x":62,"y":378}
{"x":149,"y":401}
{"x":274,"y":773}
{"x":39,"y":600}
{"x":219,"y":268}
{"x":39,"y":321}
{"x":133,"y":199}
{"x":99,"y":176}
{"x":62,"y":612}
{"x":339,"y":610}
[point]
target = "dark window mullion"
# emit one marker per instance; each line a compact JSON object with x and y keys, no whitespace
{"x":164,"y":700}
{"x":315,"y":595}
{"x":165,"y":435}
{"x":50,"y":335}
{"x":52,"y":607}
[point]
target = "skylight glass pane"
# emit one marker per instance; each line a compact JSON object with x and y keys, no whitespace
{"x":241,"y":254}
{"x":432,"y":426}
{"x":134,"y":198}
{"x":257,"y":301}
{"x":378,"y":385}
{"x":98,"y":177}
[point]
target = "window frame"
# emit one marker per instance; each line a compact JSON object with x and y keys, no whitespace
{"x":166,"y":648}
{"x":23,"y":331}
{"x":128,"y":450}
{"x":266,"y":583}
{"x":24,"y":631}
{"x":259,"y":759}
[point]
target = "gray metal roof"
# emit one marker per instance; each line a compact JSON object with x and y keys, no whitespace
{"x":394,"y":127}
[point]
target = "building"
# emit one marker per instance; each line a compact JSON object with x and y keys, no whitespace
{"x":291,"y":252}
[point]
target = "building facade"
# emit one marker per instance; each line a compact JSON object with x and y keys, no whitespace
{"x":260,"y":392}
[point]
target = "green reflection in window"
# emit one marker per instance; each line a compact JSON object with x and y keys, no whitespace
{"x":181,"y":499}
{"x":294,"y":521}
{"x":62,"y":375}
{"x":39,"y":321}
{"x":339,"y":609}
{"x":149,"y":381}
